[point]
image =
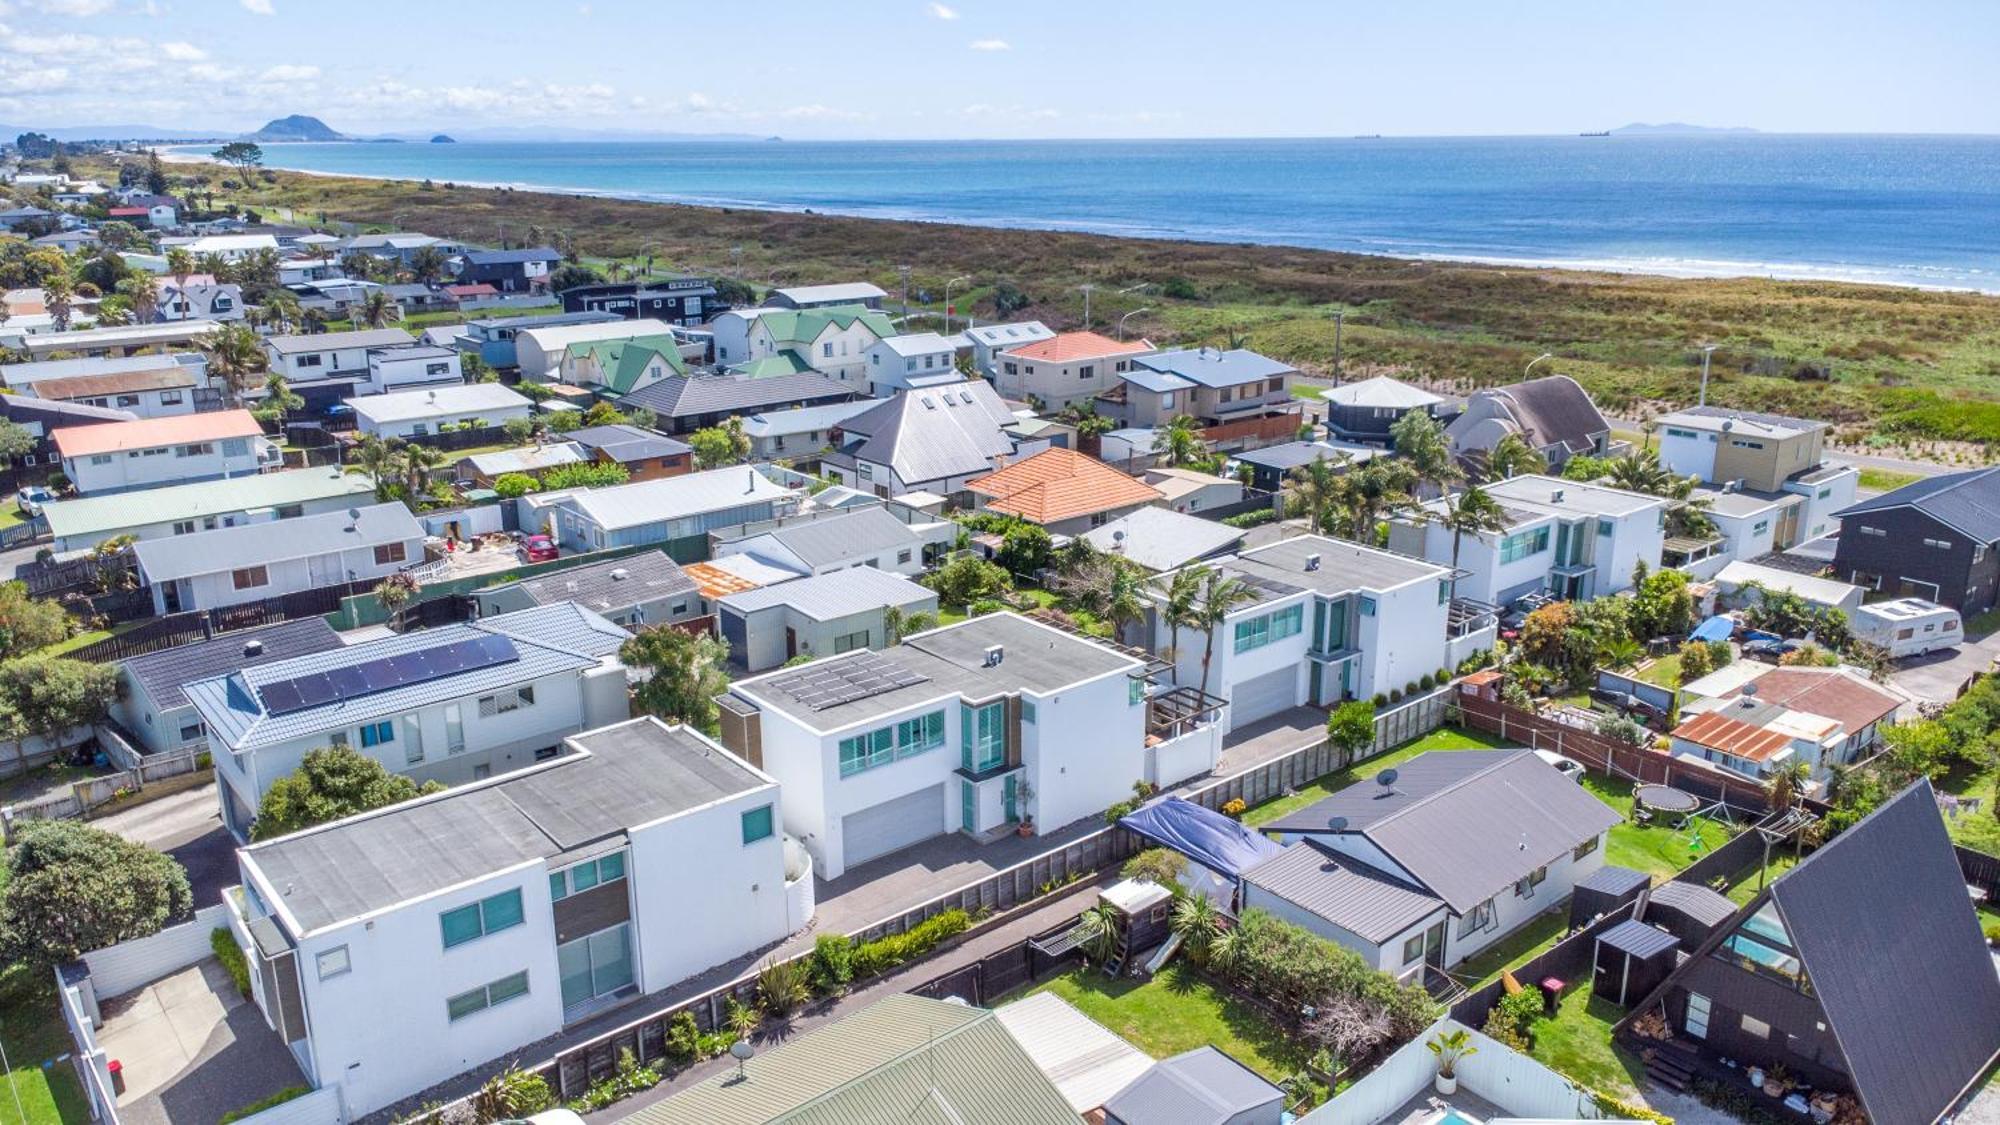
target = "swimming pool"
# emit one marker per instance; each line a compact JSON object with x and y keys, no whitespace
{"x":1451,"y":1116}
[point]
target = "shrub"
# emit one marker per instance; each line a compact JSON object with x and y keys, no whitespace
{"x":231,"y":956}
{"x":1380,"y":700}
{"x":984,"y":606}
{"x":885,"y":953}
{"x":1159,"y":865}
{"x":1410,"y":688}
{"x":782,"y":986}
{"x":832,"y":963}
{"x":513,"y":485}
{"x":1502,"y":1031}
{"x":512,"y":1094}
{"x":1993,"y":933}
{"x":1234,"y":808}
{"x":684,"y":1035}
{"x":1251,"y":519}
{"x":630,"y":1079}
{"x":1520,"y":1009}
{"x":262,"y":1104}
{"x":1696,"y":661}
{"x":1395,"y":695}
{"x":1119,"y":811}
{"x":1720,"y":654}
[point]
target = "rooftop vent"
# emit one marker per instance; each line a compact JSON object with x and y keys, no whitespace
{"x":1312,"y":561}
{"x":620,"y":574}
{"x":253,"y":648}
{"x":1556,"y":497}
{"x":994,"y":655}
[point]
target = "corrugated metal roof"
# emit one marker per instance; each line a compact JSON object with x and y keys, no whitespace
{"x":863,"y":533}
{"x":331,"y":341}
{"x":1613,"y":880}
{"x":631,"y":774}
{"x":1084,"y":1059}
{"x":437,"y":402}
{"x":1638,"y":939}
{"x":834,"y":595}
{"x":692,"y":395}
{"x":1693,"y":901}
{"x":673,"y":498}
{"x":1213,"y":367}
{"x":1719,"y":731}
{"x":102,"y":515}
{"x":253,"y":544}
{"x":1163,"y":539}
{"x":1367,"y":903}
{"x":151,"y":433}
{"x":608,"y":587}
{"x":1199,"y":1087}
{"x":1467,"y":824}
{"x":901,"y":1059}
{"x":932,"y":433}
{"x":1383,"y":392}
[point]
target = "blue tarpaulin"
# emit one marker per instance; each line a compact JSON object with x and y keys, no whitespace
{"x":1203,"y":835}
{"x":1715,"y":628}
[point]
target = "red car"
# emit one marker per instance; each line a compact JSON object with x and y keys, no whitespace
{"x":538,"y":548}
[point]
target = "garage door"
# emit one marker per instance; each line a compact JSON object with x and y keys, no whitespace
{"x":1267,"y":694}
{"x":894,"y":824}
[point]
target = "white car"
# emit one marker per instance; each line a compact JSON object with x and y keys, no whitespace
{"x":32,"y":498}
{"x":1568,"y":767}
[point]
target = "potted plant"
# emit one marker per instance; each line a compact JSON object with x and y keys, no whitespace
{"x":1022,"y":792}
{"x":1778,"y":1082}
{"x":1449,"y":1047}
{"x":1756,"y":1075}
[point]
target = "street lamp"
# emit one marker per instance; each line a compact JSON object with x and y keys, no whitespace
{"x":947,"y":300}
{"x":1534,"y":361}
{"x":1130,"y":315}
{"x":1086,"y":287}
{"x":1707,"y":350}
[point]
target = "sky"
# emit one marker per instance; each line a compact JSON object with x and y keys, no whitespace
{"x":1004,"y":68}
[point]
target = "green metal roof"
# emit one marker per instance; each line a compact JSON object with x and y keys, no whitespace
{"x":105,"y":516}
{"x":787,"y":362}
{"x":621,"y":362}
{"x":901,"y":1059}
{"x":803,"y":326}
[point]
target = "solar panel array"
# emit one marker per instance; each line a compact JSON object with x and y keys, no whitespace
{"x":830,"y":683}
{"x":338,"y":685}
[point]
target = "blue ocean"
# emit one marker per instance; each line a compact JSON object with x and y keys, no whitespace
{"x":1906,"y":210}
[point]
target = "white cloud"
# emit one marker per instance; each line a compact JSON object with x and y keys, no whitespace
{"x":182,"y":52}
{"x":208,"y":72}
{"x":817,"y":112}
{"x":76,"y":7}
{"x":944,"y":13}
{"x":990,"y":45}
{"x":258,"y":7}
{"x":988,"y":112}
{"x":34,"y":80}
{"x":289,"y":72}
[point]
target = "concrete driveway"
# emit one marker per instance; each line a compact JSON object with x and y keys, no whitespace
{"x":1937,"y":676}
{"x":192,"y":1049}
{"x":187,"y":826}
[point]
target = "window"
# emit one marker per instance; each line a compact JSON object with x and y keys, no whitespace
{"x":477,"y":919}
{"x":309,"y":361}
{"x":506,"y":701}
{"x":880,"y":747}
{"x":1525,"y":888}
{"x":487,"y":996}
{"x":1480,"y":918}
{"x":197,"y":449}
{"x":413,"y":744}
{"x":1742,"y":444}
{"x":1754,"y":1026}
{"x":378,"y":734}
{"x":170,"y":398}
{"x":1522,"y":544}
{"x":128,"y":400}
{"x":1938,"y":544}
{"x":1027,"y":711}
{"x":1760,"y":527}
{"x":190,"y":732}
{"x":1367,"y":606}
{"x":1167,"y":401}
{"x":982,"y":736}
{"x":583,"y":876}
{"x":1010,"y":369}
{"x":1256,"y":632}
{"x":902,"y":557}
{"x":1444,"y":591}
{"x":1696,"y":1023}
{"x":386,"y":553}
{"x":333,"y":962}
{"x":826,"y":350}
{"x":184,"y":527}
{"x":1875,"y":532}
{"x":249,"y":577}
{"x":757,"y":824}
{"x":96,"y":459}
{"x":1413,"y":949}
{"x":1672,"y":432}
{"x":437,"y":368}
{"x":1087,"y":371}
{"x":1604,"y":527}
{"x":1135,"y":693}
{"x":848,"y":642}
{"x":1583,"y":849}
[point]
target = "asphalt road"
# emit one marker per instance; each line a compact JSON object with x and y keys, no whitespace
{"x":188,"y":826}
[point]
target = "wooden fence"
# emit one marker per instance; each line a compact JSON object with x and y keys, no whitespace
{"x":91,"y":793}
{"x":574,"y":1069}
{"x":186,"y":628}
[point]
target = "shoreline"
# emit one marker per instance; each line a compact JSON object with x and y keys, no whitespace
{"x":1677,"y":269}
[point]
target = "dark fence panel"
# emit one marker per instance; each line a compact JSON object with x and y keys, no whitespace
{"x":1567,"y":960}
{"x":187,"y":628}
{"x":1981,"y":870}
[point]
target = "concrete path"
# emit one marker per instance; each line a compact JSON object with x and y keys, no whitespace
{"x":192,"y":1049}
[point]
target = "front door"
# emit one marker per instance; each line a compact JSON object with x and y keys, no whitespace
{"x":1434,"y":947}
{"x":1007,"y":796}
{"x":791,"y":642}
{"x":170,"y":596}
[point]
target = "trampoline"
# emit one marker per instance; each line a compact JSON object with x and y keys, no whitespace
{"x":1666,"y":799}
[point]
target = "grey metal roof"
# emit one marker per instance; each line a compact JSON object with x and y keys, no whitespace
{"x":227,"y":548}
{"x":1969,"y":502}
{"x":165,"y":674}
{"x":631,"y":774}
{"x":931,"y":433}
{"x":903,"y":1059}
{"x":1163,"y":539}
{"x":1612,"y":879}
{"x":834,"y":595}
{"x":1293,"y":454}
{"x":1568,"y":497}
{"x":1343,"y":567}
{"x":803,"y":419}
{"x":438,"y":402}
{"x":549,"y":639}
{"x":546,"y":320}
{"x":676,"y":497}
{"x":328,"y":341}
{"x":1464,"y":823}
{"x":118,"y":511}
{"x":951,"y":662}
{"x":1370,"y":904}
{"x":1638,"y":939}
{"x":611,"y":586}
{"x":628,"y":443}
{"x":1881,"y":919}
{"x":688,"y":396}
{"x":512,"y":257}
{"x":1212,"y":367}
{"x":1382,"y":392}
{"x":1693,"y":901}
{"x":862,"y":533}
{"x":1199,"y":1087}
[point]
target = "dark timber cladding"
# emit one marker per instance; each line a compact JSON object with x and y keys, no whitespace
{"x":1933,"y":539}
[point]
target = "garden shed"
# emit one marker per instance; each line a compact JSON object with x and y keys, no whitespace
{"x":1630,"y":960}
{"x":1603,"y":891}
{"x":1689,"y":911}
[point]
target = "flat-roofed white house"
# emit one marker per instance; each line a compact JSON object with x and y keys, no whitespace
{"x":254,"y":561}
{"x":1458,"y":850}
{"x":865,"y":294}
{"x":153,"y":704}
{"x":973,"y":728}
{"x":1571,"y":539}
{"x":150,"y":452}
{"x":919,"y":359}
{"x":397,"y":948}
{"x":451,"y":704}
{"x":329,"y":357}
{"x":421,"y":413}
{"x":412,"y":365}
{"x":989,"y":340}
{"x":823,"y":615}
{"x":183,"y":509}
{"x":1328,"y":620}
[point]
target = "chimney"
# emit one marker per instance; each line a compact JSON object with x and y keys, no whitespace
{"x":1312,"y":562}
{"x":994,"y":655}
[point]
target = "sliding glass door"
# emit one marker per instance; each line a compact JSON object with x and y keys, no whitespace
{"x":595,"y":966}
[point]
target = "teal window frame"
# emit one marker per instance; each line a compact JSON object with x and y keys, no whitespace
{"x":759,"y":823}
{"x":1367,"y":606}
{"x":471,"y":1002}
{"x":476,"y":920}
{"x":879,"y":747}
{"x":1524,"y":544}
{"x":581,"y":877}
{"x":1253,"y":633}
{"x":378,"y":734}
{"x":985,"y":733}
{"x":1135,"y":692}
{"x":1604,"y":527}
{"x":1027,"y":710}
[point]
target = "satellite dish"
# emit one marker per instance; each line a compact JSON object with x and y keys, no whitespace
{"x":1750,"y":689}
{"x":1336,"y":824}
{"x":1386,"y":778}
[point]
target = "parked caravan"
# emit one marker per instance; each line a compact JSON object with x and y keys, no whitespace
{"x":1908,"y":626}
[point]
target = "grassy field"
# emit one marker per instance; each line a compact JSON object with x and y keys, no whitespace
{"x":1177,"y":1011}
{"x":1892,"y":366}
{"x":1885,"y":480}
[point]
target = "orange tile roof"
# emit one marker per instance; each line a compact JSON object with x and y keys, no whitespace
{"x":1731,"y":736}
{"x":149,"y":433}
{"x":1829,"y":693}
{"x":714,"y":582}
{"x":1078,"y":345}
{"x":1060,"y":484}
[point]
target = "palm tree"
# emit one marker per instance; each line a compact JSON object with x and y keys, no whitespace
{"x":282,"y":308}
{"x":1788,"y":783}
{"x":382,"y":460}
{"x":278,"y":395}
{"x":142,"y":295}
{"x":1098,"y":935}
{"x":57,"y":293}
{"x":896,"y":624}
{"x":376,"y":309}
{"x":1634,"y":473}
{"x":1317,"y":491}
{"x":180,"y":264}
{"x":1219,"y":594}
{"x":1421,"y":441}
{"x":1472,"y":512}
{"x":1372,"y":491}
{"x":235,"y":354}
{"x":1198,"y":923}
{"x":418,"y":461}
{"x":1179,"y":441}
{"x":314,"y":319}
{"x":1124,"y":597}
{"x":429,"y":265}
{"x":1512,"y":456}
{"x":1183,"y":595}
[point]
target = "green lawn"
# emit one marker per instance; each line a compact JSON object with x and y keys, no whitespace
{"x":1886,"y":480}
{"x":1577,"y":1043}
{"x":32,"y":1030}
{"x":1656,"y":849}
{"x":1178,"y":1011}
{"x":1664,"y":672}
{"x":1746,"y":884}
{"x":1445,"y":738}
{"x":1519,"y":947}
{"x":10,"y":513}
{"x":1980,"y":830}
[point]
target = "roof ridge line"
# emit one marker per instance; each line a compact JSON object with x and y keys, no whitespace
{"x":930,"y":1043}
{"x":1451,"y":788}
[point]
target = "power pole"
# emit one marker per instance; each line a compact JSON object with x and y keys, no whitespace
{"x":1339,"y":323}
{"x":905,"y":272}
{"x":1086,"y":287}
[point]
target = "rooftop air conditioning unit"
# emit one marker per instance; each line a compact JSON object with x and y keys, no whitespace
{"x":1312,"y":562}
{"x":994,"y":655}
